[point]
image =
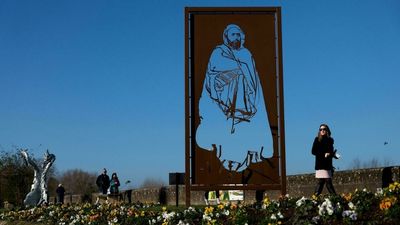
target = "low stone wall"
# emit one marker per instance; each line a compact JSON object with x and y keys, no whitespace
{"x":343,"y":181}
{"x":297,"y":186}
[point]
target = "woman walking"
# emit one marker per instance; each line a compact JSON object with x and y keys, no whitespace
{"x":114,"y":184}
{"x":323,"y":150}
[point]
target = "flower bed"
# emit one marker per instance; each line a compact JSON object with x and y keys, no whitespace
{"x":359,"y":207}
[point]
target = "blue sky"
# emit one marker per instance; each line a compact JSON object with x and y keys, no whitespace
{"x":101,"y":83}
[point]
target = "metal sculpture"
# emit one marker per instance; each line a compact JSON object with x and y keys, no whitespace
{"x":234,"y":114}
{"x":38,"y":194}
{"x":231,"y":79}
{"x":231,"y":97}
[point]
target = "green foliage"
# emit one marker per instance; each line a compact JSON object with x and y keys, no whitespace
{"x":365,"y":203}
{"x":360,"y":207}
{"x":15,"y":178}
{"x":304,"y":209}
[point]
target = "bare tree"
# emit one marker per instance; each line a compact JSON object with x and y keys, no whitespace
{"x":77,"y":181}
{"x":372,"y":163}
{"x":355,"y":164}
{"x":387,"y":162}
{"x":152,"y":183}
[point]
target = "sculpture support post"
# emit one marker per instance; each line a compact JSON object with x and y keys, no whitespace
{"x":38,"y":193}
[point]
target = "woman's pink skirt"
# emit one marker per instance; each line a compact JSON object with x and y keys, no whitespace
{"x":323,"y":174}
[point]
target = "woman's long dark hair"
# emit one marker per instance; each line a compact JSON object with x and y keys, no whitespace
{"x":328,"y":131}
{"x":112,"y":176}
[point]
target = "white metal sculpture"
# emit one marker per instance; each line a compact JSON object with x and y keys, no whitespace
{"x":38,"y":193}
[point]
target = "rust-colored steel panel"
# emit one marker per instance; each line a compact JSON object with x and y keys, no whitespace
{"x":233,"y":71}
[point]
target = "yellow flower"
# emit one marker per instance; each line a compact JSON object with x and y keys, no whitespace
{"x":347,"y":197}
{"x":394,"y":186}
{"x":314,"y":197}
{"x":208,"y":210}
{"x":266,"y":201}
{"x":386,"y":203}
{"x":221,"y":206}
{"x":164,"y":208}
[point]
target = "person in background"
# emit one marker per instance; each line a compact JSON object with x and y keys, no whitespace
{"x":114,"y":184}
{"x":323,"y":150}
{"x":103,"y":182}
{"x":128,"y":192}
{"x":60,"y":194}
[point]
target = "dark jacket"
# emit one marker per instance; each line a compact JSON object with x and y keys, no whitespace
{"x":60,"y":194}
{"x":60,"y":191}
{"x":319,"y":149}
{"x":103,"y":181}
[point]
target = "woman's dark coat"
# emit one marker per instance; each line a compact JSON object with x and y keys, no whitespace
{"x":319,"y":149}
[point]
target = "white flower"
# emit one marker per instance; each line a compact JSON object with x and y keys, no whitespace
{"x":273,"y":217}
{"x":280,"y":215}
{"x":325,"y":207}
{"x":350,"y":213}
{"x":206,"y":217}
{"x":181,"y":222}
{"x":351,"y":205}
{"x":329,"y":210}
{"x":168,"y":216}
{"x":189,"y":210}
{"x":301,"y":201}
{"x":226,"y":212}
{"x":315,"y":219}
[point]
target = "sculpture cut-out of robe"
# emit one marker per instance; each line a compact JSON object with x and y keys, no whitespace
{"x":232,"y":110}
